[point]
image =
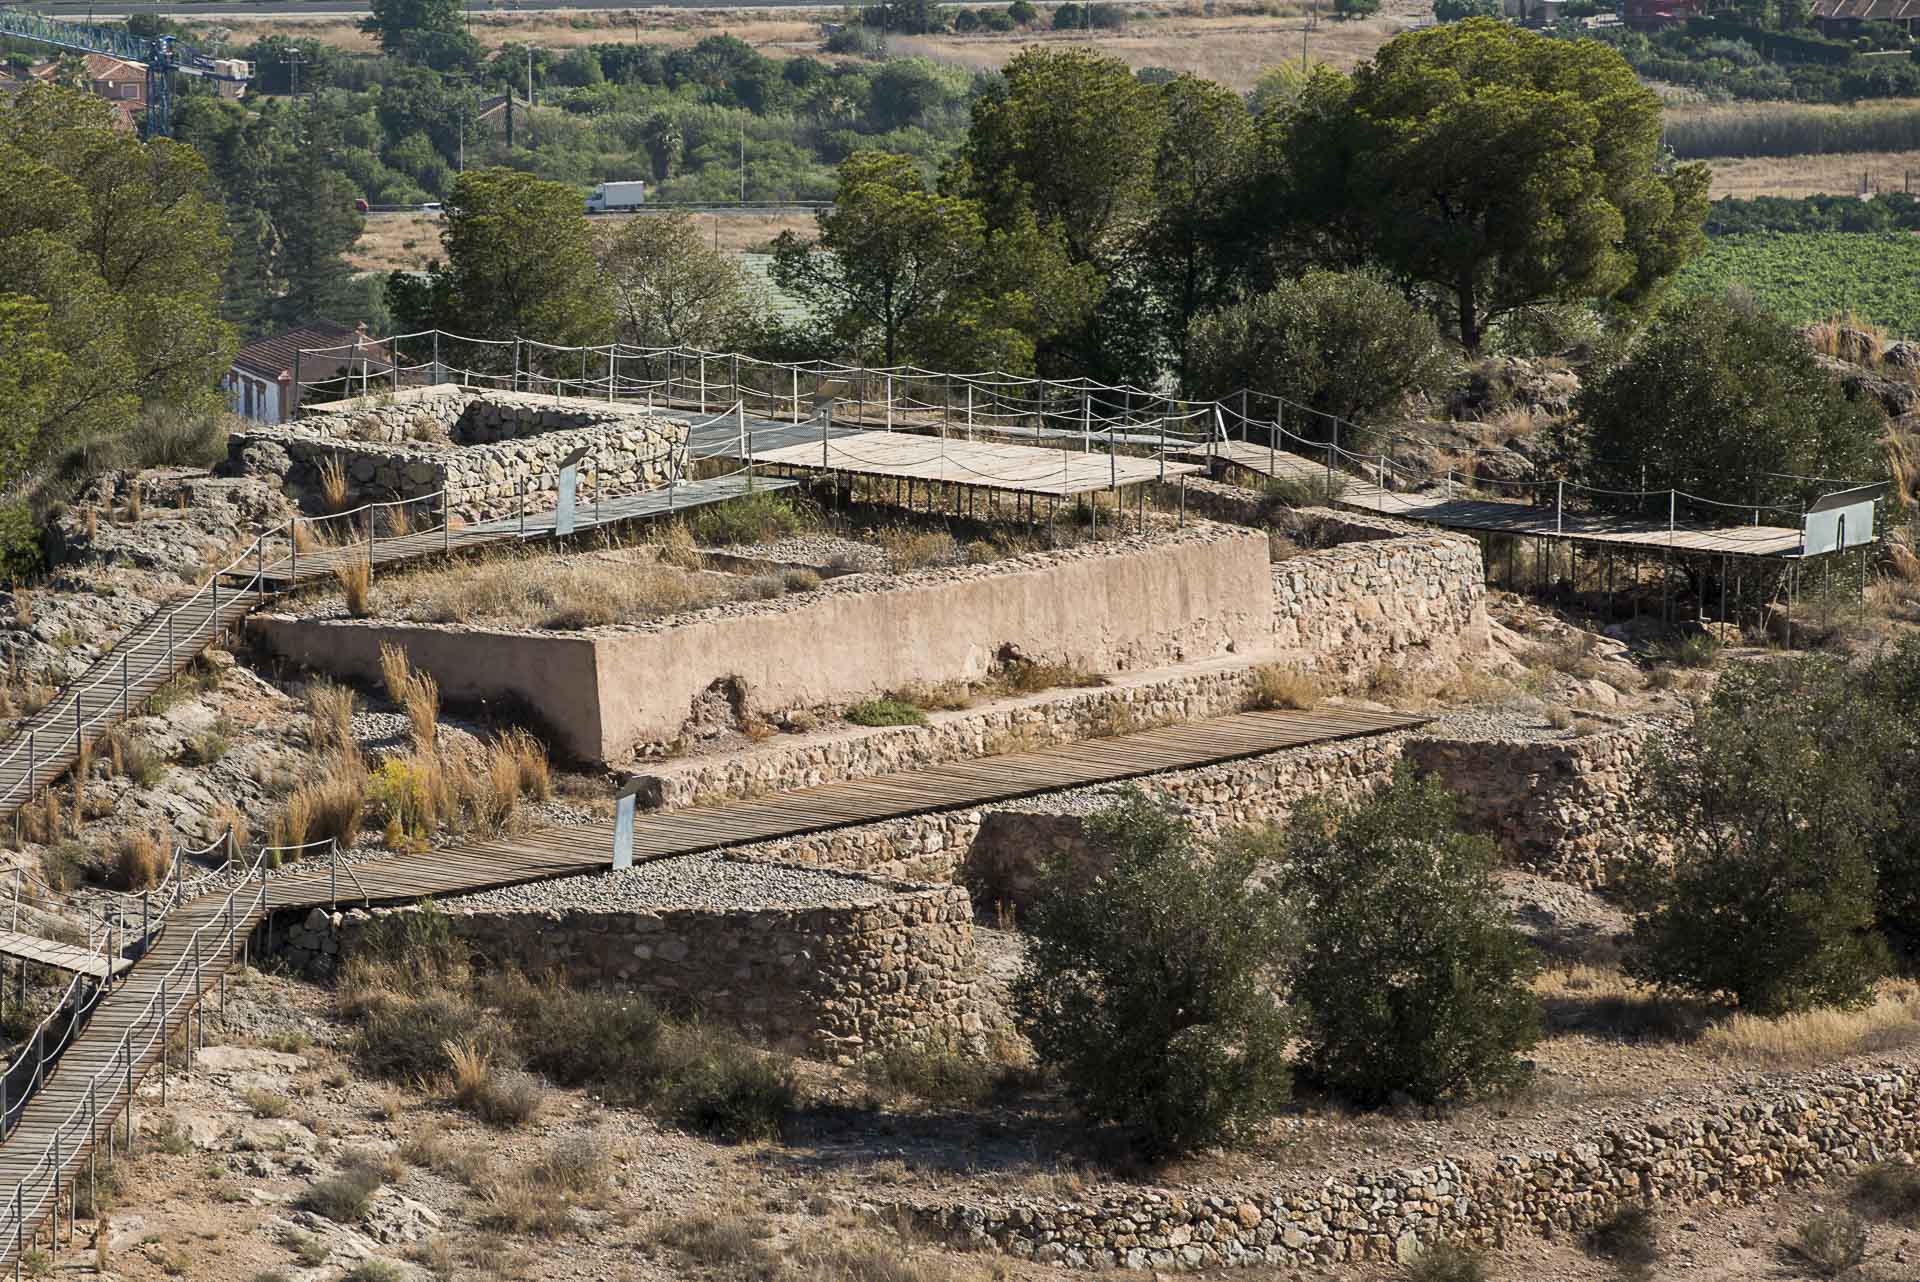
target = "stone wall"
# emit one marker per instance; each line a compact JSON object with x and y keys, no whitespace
{"x":842,"y":977}
{"x":1414,"y":603}
{"x":1132,"y":603}
{"x":1738,"y":1150}
{"x":1561,"y":808}
{"x":481,"y":447}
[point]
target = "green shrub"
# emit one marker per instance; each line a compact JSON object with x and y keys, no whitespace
{"x":1891,"y":1192}
{"x":937,"y":1075}
{"x":1411,"y":974}
{"x":1145,"y":987}
{"x":609,"y":1041}
{"x":752,"y":518}
{"x":375,"y":1271}
{"x":888,"y":711}
{"x":1775,"y":814}
{"x":401,"y":1039}
{"x":1448,"y":1262}
{"x":342,"y":1198}
{"x":724,"y":1089}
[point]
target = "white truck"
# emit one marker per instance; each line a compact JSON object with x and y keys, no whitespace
{"x":608,"y":197}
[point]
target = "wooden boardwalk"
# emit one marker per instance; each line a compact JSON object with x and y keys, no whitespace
{"x":319,"y":564}
{"x":953,"y":460}
{"x":1519,"y":518}
{"x":71,"y":958}
{"x":64,"y":1103}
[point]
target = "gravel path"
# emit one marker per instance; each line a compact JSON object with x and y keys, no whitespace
{"x":692,"y":881}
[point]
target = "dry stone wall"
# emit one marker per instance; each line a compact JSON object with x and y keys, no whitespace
{"x":482,"y":448}
{"x":1561,"y":808}
{"x":1414,"y":603}
{"x":1737,"y":1150}
{"x":843,"y":978}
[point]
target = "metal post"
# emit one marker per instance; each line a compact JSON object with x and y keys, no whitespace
{"x":516,"y":363}
{"x":437,"y":376}
{"x":1333,"y":448}
{"x":969,"y":411}
{"x":523,"y":507}
{"x":123,"y":684}
{"x":333,"y":871}
{"x":826,"y":421}
{"x":1086,"y":422}
{"x":749,"y":462}
{"x":446,"y":521}
{"x":889,"y":389}
{"x":1559,"y":506}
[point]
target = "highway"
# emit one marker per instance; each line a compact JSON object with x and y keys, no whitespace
{"x":108,"y":10}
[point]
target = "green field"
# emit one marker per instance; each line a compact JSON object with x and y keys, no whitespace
{"x":1806,"y":276}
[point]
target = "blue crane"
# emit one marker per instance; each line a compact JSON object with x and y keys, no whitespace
{"x":160,"y":55}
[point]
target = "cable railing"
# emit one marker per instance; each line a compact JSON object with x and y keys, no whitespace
{"x":109,"y":1091}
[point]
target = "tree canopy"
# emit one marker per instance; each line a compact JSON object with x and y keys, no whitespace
{"x":671,"y":288}
{"x":1499,"y":166}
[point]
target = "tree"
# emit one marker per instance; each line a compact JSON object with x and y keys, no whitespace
{"x":1344,"y":344}
{"x":32,"y":372}
{"x":1718,"y":398}
{"x":1767,"y":897}
{"x":1194,"y":241}
{"x":1502,"y":167}
{"x":1345,"y":9}
{"x":1146,"y":986}
{"x":432,"y":33}
{"x":520,"y":261}
{"x":1073,"y":135}
{"x":919,"y":273}
{"x":1411,"y":974}
{"x":120,"y":243}
{"x":1460,"y":10}
{"x":665,"y":141}
{"x":671,"y":288}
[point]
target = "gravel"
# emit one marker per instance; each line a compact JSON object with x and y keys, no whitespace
{"x":815,"y":549}
{"x":691,"y":881}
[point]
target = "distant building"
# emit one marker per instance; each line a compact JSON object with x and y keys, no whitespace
{"x":1844,"y":18}
{"x":1645,"y":15}
{"x":119,"y":82}
{"x":492,"y":113}
{"x":260,"y":386}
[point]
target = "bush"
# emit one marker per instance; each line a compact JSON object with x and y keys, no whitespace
{"x":1344,"y":344}
{"x":1891,"y":1192}
{"x":609,"y":1041}
{"x":1628,"y":1237}
{"x":1145,"y":988}
{"x":885,"y":712}
{"x":752,"y":518}
{"x":405,"y":1039}
{"x":1773,"y":812}
{"x":1830,"y":1245}
{"x":1448,"y":1262}
{"x":936,"y":1075}
{"x":139,"y":863}
{"x":1411,"y":974}
{"x":1717,"y":398}
{"x":728,"y":1091}
{"x":342,"y":1198}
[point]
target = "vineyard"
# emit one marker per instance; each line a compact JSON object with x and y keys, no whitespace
{"x":1807,"y":276}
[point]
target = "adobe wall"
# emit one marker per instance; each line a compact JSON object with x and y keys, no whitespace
{"x":1139,"y":602}
{"x":843,"y":978}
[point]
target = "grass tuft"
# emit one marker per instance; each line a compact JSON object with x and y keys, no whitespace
{"x":887,"y":711}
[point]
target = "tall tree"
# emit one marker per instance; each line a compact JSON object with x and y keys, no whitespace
{"x":314,"y":225}
{"x":430,"y":32}
{"x":520,"y":261}
{"x":671,"y":288}
{"x":1503,"y":167}
{"x":919,"y":275}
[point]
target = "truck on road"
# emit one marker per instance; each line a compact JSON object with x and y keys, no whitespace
{"x":608,"y":197}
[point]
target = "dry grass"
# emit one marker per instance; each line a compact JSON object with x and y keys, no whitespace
{"x":595,"y":590}
{"x":330,"y":710}
{"x":1276,"y":686}
{"x":356,"y":585}
{"x":329,"y":807}
{"x":529,"y":758}
{"x":140,"y":862}
{"x":1839,"y":173}
{"x":408,"y":241}
{"x":133,"y":503}
{"x":911,"y":549}
{"x":413,"y":690}
{"x":1893,"y":1020}
{"x":333,"y":483}
{"x":495,"y":1097}
{"x":675,"y":545}
{"x":395,"y":522}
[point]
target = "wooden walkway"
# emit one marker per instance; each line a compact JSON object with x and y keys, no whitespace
{"x":1518,"y":518}
{"x":157,"y":649}
{"x":65,"y":1103}
{"x":953,"y":460}
{"x":319,"y":564}
{"x":71,"y":958}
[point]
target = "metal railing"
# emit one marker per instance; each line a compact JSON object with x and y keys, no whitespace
{"x":37,"y":1192}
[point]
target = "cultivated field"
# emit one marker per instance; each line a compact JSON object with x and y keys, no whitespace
{"x":408,"y":242}
{"x":766,"y":29}
{"x":1842,"y":173}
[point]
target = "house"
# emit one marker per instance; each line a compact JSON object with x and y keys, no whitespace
{"x":261,"y":386}
{"x":1844,"y":18}
{"x":1646,"y":15}
{"x":119,"y":82}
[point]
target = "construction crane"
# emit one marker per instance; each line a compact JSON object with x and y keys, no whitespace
{"x":160,"y":55}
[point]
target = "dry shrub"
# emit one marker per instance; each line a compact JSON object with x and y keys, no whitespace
{"x":90,"y":522}
{"x":356,"y":583}
{"x":133,"y":503}
{"x":1832,"y":1244}
{"x":396,"y":670}
{"x":396,"y":521}
{"x":943,"y":696}
{"x":530,"y":761}
{"x":140,"y":863}
{"x":230,"y":824}
{"x":330,"y":710}
{"x":1275,"y":686}
{"x":676,"y":545}
{"x":333,"y":483}
{"x":330,"y":807}
{"x":498,"y":1098}
{"x":1031,"y":676}
{"x":911,"y":549}
{"x":500,"y":799}
{"x":417,"y":692}
{"x":304,"y":538}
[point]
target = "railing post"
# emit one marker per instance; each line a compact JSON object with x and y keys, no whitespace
{"x":126,"y":1057}
{"x":523,"y":507}
{"x":749,"y":462}
{"x":123,"y":685}
{"x":333,"y":871}
{"x":145,"y":929}
{"x":446,"y":520}
{"x":1559,"y":506}
{"x":796,"y":393}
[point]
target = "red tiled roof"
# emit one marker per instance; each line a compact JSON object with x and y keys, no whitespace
{"x":1866,"y":10}
{"x":272,"y":356}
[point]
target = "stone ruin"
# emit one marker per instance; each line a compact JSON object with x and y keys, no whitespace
{"x":484,"y":448}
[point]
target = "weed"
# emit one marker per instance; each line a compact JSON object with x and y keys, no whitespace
{"x":729,"y":1091}
{"x":204,"y":747}
{"x":1630,"y":1238}
{"x":356,"y":583}
{"x":1448,"y":1262}
{"x":676,"y":545}
{"x":330,"y":710}
{"x":428,"y":1146}
{"x":752,"y":518}
{"x":944,"y":696}
{"x":497,"y":1098}
{"x":308,"y":1248}
{"x":375,"y":1271}
{"x":530,"y":762}
{"x":93,"y":1197}
{"x":1275,"y":686}
{"x":887,"y":711}
{"x":936,"y":1075}
{"x":265,"y":1103}
{"x":344,"y":1197}
{"x":170,"y":1138}
{"x":910,"y":549}
{"x":800,"y":581}
{"x":1829,"y":1245}
{"x":140,"y":863}
{"x":333,"y":483}
{"x":1890,"y":1192}
{"x":1695,"y":650}
{"x":63,"y":866}
{"x":732,"y":1243}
